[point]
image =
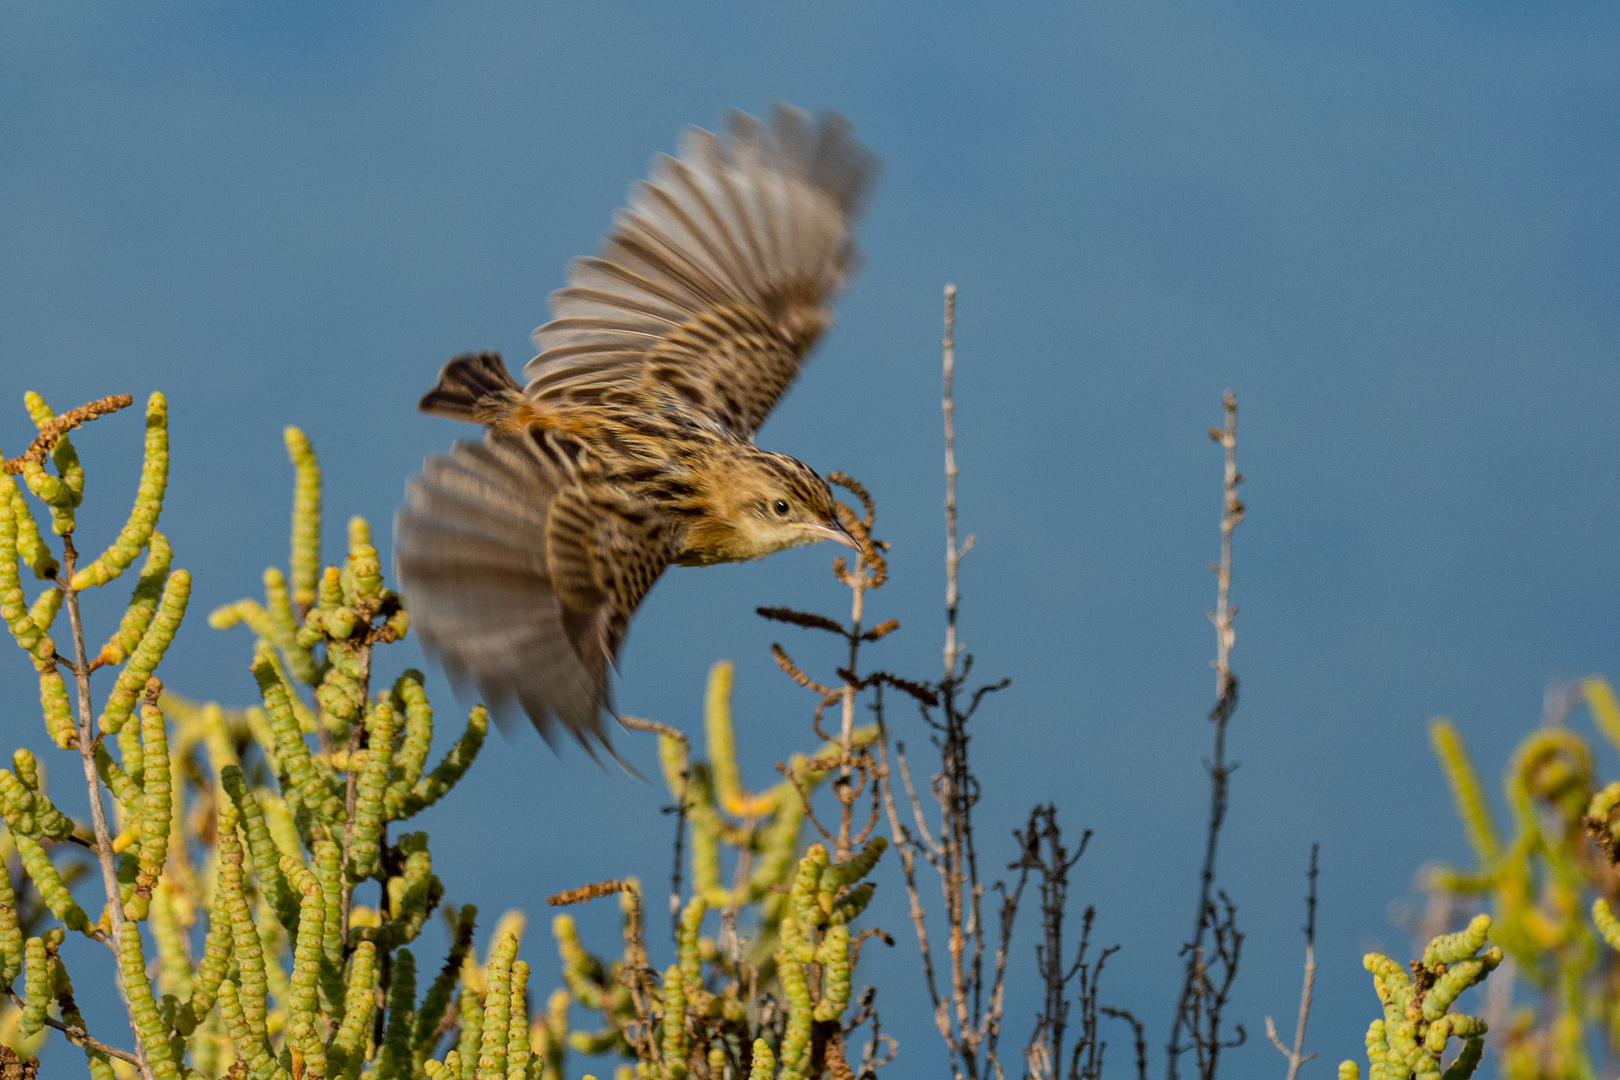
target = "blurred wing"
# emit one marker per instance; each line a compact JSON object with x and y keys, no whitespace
{"x":716,"y":281}
{"x":472,"y":548}
{"x":605,"y":550}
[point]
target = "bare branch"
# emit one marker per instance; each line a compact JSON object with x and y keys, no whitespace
{"x":583,"y":893}
{"x":1198,"y":1010}
{"x":979,"y":694}
{"x":636,"y":723}
{"x":968,"y":1014}
{"x":1043,"y":852}
{"x":1297,"y":1057}
{"x":1231,"y":514}
{"x":881,"y":630}
{"x":86,"y":739}
{"x":51,"y":433}
{"x":80,"y":1037}
{"x":921,"y":693}
{"x":928,"y":842}
{"x":1140,"y":1033}
{"x":953,"y":553}
{"x":794,"y":672}
{"x":806,"y":619}
{"x":804,"y":801}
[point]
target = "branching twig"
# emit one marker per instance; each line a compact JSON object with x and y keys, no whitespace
{"x":87,"y":755}
{"x":61,"y":425}
{"x":1297,"y":1057}
{"x":1045,"y":854}
{"x":1053,"y":865}
{"x":858,"y":771}
{"x":636,"y":723}
{"x":1197,"y":1014}
{"x":969,"y":1013}
{"x":907,"y":846}
{"x":80,"y":1037}
{"x":1138,"y":1031}
{"x":858,"y":582}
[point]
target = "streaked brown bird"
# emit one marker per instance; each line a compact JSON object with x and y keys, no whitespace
{"x":522,"y":557}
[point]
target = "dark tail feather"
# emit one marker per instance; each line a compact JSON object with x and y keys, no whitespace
{"x":475,"y":388}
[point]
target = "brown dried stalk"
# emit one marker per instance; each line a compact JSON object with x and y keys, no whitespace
{"x":1296,"y":1056}
{"x":794,"y":672}
{"x":639,"y":978}
{"x":636,"y":723}
{"x":1053,"y":865}
{"x":953,"y":553}
{"x":579,"y":895}
{"x":52,"y":432}
{"x":807,"y":619}
{"x":969,"y":1014}
{"x":1198,"y":1010}
{"x":869,"y":573}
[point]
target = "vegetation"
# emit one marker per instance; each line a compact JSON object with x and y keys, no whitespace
{"x":263,"y":901}
{"x":273,"y":833}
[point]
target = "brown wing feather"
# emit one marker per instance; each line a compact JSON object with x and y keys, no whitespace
{"x":605,"y":550}
{"x":474,"y":561}
{"x":716,"y":282}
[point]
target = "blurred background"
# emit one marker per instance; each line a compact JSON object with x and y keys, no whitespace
{"x":1389,"y":227}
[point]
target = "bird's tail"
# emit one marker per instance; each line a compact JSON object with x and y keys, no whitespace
{"x":475,"y":388}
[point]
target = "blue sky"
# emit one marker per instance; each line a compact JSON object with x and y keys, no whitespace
{"x":1389,"y":227}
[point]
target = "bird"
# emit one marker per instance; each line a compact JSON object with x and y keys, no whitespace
{"x":629,"y":448}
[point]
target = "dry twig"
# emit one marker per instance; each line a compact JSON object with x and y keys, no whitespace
{"x":87,"y":741}
{"x":78,"y":1036}
{"x":1215,"y":939}
{"x":1053,"y":865}
{"x":968,"y":1013}
{"x":583,"y":893}
{"x":953,"y":552}
{"x":859,"y":772}
{"x":636,"y":723}
{"x":52,"y":432}
{"x":1296,"y":1056}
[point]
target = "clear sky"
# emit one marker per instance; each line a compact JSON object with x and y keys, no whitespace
{"x":1389,"y":227}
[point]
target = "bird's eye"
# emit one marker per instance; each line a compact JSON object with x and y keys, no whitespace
{"x":780,"y":506}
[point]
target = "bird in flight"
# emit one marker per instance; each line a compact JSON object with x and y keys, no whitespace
{"x":523,"y":556}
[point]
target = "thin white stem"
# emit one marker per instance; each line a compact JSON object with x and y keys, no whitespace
{"x":1298,"y":1057}
{"x":78,"y":1036}
{"x":846,"y":738}
{"x":92,"y":781}
{"x":857,"y":608}
{"x":908,"y":850}
{"x":1231,"y":514}
{"x":953,"y":554}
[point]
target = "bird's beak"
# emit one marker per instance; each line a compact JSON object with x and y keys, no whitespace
{"x":833,"y":530}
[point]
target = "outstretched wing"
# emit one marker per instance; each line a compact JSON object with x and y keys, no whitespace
{"x":716,"y":281}
{"x":521,"y":569}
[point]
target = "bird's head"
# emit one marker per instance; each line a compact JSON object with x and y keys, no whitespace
{"x":779,"y":502}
